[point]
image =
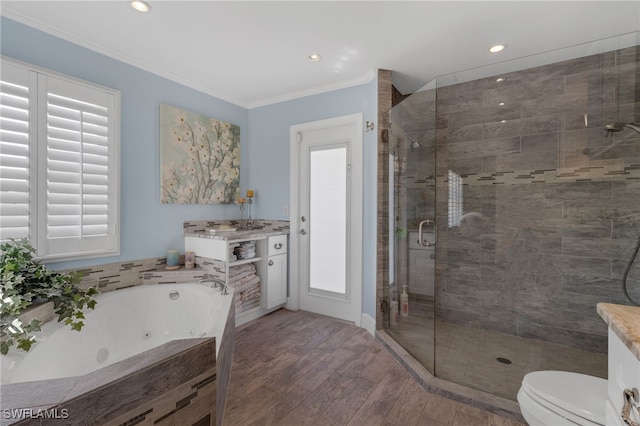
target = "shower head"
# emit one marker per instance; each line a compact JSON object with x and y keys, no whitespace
{"x":616,"y":127}
{"x":633,"y":126}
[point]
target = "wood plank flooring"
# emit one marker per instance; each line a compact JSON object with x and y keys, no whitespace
{"x":298,"y":368}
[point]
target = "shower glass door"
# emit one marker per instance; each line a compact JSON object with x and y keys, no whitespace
{"x":413,"y":199}
{"x":532,"y":179}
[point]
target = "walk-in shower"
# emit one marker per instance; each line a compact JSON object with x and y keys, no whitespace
{"x":530,"y":170}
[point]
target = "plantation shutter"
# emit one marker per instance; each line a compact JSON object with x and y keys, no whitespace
{"x":17,"y":123}
{"x":79,"y":128}
{"x":59,"y":166}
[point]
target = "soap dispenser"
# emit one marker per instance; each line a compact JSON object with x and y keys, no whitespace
{"x":404,"y":302}
{"x":394,"y":308}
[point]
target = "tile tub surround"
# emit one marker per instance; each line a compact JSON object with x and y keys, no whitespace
{"x":179,"y":381}
{"x":151,"y":384}
{"x":113,"y":276}
{"x":182,"y":381}
{"x":625,"y":322}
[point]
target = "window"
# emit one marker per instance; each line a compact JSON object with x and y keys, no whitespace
{"x":59,"y":163}
{"x":455,"y":199}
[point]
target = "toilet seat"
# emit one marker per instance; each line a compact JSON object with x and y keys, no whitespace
{"x":578,"y":398}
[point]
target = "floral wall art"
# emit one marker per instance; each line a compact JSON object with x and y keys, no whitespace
{"x":200,"y":158}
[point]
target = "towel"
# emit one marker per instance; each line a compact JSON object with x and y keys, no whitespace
{"x":250,"y":292}
{"x":240,"y":276}
{"x":244,"y":286}
{"x":235,"y":270}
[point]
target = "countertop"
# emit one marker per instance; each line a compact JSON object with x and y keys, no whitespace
{"x":237,"y":235}
{"x":625,"y":322}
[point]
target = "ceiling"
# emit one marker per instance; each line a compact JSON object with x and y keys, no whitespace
{"x":254,"y":53}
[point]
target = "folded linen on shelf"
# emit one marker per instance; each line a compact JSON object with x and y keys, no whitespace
{"x":239,"y":269}
{"x":245,"y":283}
{"x":241,"y":276}
{"x":252,"y":292}
{"x":248,"y":293}
{"x":252,"y":302}
{"x":244,"y":301}
{"x":247,"y":286}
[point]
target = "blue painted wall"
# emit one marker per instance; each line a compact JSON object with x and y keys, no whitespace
{"x":269,"y":160}
{"x":149,"y":228}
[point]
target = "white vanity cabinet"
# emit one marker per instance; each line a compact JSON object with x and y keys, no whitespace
{"x":270,"y":261}
{"x":623,"y":360}
{"x":624,"y":373}
{"x":275,"y":288}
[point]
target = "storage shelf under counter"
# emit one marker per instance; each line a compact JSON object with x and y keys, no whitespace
{"x":214,"y":253}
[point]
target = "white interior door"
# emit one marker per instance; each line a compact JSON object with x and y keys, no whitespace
{"x":326,"y":224}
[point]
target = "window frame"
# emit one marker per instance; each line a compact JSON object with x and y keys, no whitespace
{"x":38,"y":158}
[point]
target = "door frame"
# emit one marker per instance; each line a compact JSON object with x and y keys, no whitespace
{"x":356,"y":231}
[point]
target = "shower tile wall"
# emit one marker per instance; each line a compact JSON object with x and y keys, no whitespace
{"x":551,"y":203}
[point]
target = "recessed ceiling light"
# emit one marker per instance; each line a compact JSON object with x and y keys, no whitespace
{"x":500,"y":79}
{"x":497,"y":48}
{"x":140,"y":6}
{"x":501,"y":103}
{"x":314,"y":57}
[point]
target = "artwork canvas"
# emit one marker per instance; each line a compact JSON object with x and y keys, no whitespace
{"x":200,"y":158}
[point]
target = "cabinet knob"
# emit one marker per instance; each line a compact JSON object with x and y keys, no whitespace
{"x":277,"y":246}
{"x":271,"y":263}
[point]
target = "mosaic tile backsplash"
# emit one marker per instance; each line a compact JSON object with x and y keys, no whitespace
{"x":114,"y":276}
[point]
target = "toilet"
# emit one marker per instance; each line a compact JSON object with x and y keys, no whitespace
{"x":555,"y":398}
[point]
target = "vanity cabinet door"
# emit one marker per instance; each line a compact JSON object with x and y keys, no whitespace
{"x":276,"y":282}
{"x":624,"y":373}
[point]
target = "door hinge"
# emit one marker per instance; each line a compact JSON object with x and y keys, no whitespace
{"x":299,"y":137}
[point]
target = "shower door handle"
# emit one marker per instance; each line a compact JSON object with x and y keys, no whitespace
{"x":424,"y":242}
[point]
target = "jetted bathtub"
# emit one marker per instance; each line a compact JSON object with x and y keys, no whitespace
{"x":124,"y":323}
{"x":124,"y":329}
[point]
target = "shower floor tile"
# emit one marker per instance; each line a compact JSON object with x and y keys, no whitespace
{"x":469,"y":356}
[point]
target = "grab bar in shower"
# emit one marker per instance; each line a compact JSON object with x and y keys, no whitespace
{"x":424,"y":242}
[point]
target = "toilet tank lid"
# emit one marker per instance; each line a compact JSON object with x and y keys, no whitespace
{"x":579,"y":394}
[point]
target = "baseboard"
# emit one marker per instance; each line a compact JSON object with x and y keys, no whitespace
{"x":368,"y":324}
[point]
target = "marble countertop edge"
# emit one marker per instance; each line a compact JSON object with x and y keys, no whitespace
{"x":237,"y":235}
{"x":625,"y":322}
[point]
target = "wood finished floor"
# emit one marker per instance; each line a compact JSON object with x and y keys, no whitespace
{"x":297,"y":368}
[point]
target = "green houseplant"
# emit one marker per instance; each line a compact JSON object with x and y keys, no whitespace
{"x":24,"y":281}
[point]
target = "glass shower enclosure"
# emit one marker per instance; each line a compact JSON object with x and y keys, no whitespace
{"x":515,"y":210}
